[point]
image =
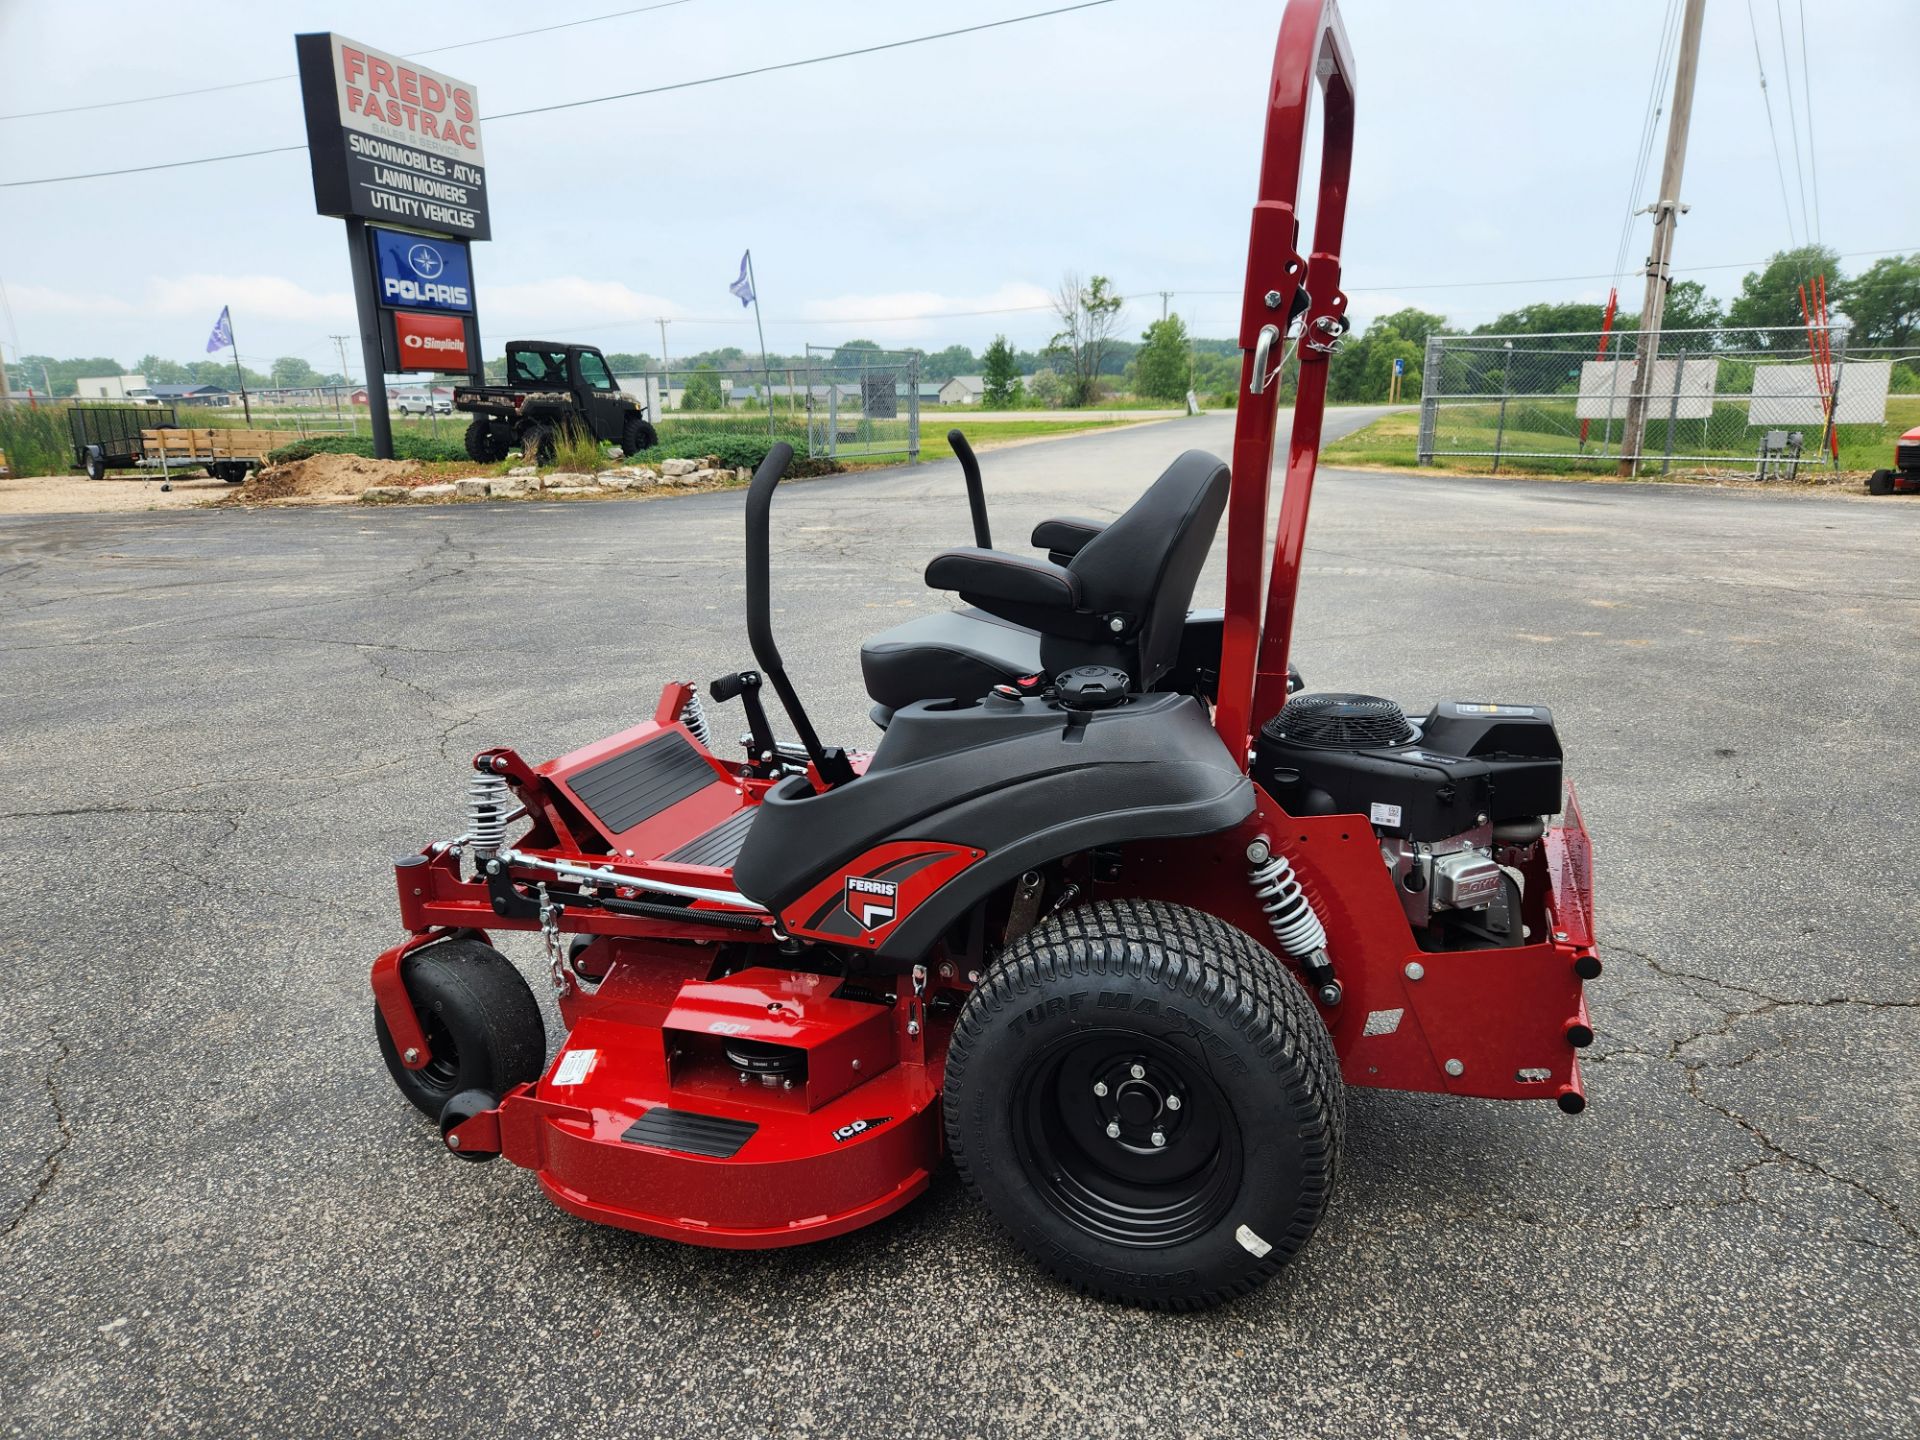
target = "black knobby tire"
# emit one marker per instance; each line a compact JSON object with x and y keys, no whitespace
{"x":1880,"y":483}
{"x":638,"y":436}
{"x":485,"y":444}
{"x":538,"y":443}
{"x":482,"y":1024}
{"x":1248,"y":1158}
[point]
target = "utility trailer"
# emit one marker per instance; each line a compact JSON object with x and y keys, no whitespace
{"x":110,"y":437}
{"x":125,"y":437}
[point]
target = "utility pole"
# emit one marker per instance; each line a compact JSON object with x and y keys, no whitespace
{"x":346,"y":370}
{"x":1165,"y":296}
{"x":6,"y":391}
{"x":1666,"y":214}
{"x":666,"y":370}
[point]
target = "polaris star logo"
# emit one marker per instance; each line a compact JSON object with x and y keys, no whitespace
{"x":871,"y":902}
{"x":426,"y":262}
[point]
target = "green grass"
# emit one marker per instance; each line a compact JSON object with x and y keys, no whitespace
{"x":933,"y":438}
{"x":1549,"y":425}
{"x":36,"y":440}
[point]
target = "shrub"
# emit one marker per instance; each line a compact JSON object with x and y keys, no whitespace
{"x":405,"y":447}
{"x":36,"y":439}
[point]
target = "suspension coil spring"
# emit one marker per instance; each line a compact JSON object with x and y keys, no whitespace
{"x":1292,"y":917}
{"x":693,"y":715}
{"x":489,"y":802}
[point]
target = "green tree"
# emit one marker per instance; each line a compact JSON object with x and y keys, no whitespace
{"x":855,"y":354}
{"x":1002,"y":373}
{"x":161,"y":372}
{"x":1884,"y":303}
{"x":1089,"y":316}
{"x":1161,"y":368}
{"x":1414,"y":325}
{"x":291,"y":372}
{"x":1047,"y":388}
{"x":702,"y":390}
{"x":1769,"y":299}
{"x":947,"y":363}
{"x":1545,"y":319}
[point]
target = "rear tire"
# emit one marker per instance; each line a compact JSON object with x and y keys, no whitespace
{"x":1236,"y":1074}
{"x":537,"y":443}
{"x":1880,"y":483}
{"x":482,"y":1024}
{"x":638,"y":436}
{"x":486,"y":444}
{"x":96,"y":467}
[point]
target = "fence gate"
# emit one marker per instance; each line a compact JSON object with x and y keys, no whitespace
{"x":862,"y":402}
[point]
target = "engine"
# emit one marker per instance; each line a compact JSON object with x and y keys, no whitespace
{"x":1455,"y":798}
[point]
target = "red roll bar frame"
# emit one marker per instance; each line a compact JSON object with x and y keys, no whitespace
{"x":1259,"y":612}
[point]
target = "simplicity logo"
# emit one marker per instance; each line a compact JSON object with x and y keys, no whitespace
{"x":426,"y":262}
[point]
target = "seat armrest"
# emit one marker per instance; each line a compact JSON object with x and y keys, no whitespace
{"x":1064,"y":535}
{"x":1001,"y":583}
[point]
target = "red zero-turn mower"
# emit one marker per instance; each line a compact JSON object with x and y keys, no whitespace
{"x":1904,"y":477}
{"x":1106,"y":916}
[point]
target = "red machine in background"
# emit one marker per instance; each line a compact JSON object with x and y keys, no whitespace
{"x":1110,"y":914}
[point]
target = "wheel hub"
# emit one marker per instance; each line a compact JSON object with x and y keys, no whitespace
{"x":1138,"y":1105}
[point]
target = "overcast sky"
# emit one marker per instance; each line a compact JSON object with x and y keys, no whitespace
{"x":1496,"y":141}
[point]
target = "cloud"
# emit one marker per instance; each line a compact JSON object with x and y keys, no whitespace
{"x":563,"y":298}
{"x":268,"y":298}
{"x":912,"y":307}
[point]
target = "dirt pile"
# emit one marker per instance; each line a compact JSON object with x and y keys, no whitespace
{"x":322,"y":477}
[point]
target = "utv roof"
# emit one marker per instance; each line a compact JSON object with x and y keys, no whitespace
{"x":547,"y":345}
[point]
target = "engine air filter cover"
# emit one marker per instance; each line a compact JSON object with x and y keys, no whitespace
{"x":1340,"y":722}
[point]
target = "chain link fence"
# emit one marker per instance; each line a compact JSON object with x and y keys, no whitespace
{"x":862,"y":402}
{"x":1729,"y":399}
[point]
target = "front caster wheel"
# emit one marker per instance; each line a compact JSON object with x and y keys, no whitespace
{"x":457,"y":1111}
{"x":1148,"y":1102}
{"x":482,"y":1024}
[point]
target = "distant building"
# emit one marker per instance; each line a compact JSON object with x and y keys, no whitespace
{"x":192,"y":394}
{"x":110,"y":387}
{"x":963,"y":390}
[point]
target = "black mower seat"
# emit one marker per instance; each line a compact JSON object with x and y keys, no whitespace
{"x":959,"y":655}
{"x":1120,"y":598}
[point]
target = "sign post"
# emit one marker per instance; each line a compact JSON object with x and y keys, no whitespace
{"x":398,"y":145}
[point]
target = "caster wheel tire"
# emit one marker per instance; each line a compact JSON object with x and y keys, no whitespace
{"x":1148,"y":1102}
{"x":1880,"y":483}
{"x":482,"y":1024}
{"x":460,"y":1109}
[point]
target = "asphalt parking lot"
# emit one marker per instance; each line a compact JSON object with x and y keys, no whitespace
{"x":217,"y":1217}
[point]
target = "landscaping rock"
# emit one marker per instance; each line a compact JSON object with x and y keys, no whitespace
{"x":742,"y":474}
{"x":648,"y":473}
{"x":507,"y":486}
{"x":564,"y":478}
{"x":523,"y":471}
{"x":386,"y":494}
{"x":474,"y":488}
{"x":434,"y":492}
{"x":572,"y":489}
{"x":672,"y":468}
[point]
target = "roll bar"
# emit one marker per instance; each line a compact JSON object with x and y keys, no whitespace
{"x":1282,"y":284}
{"x":829,"y":764}
{"x":976,"y":492}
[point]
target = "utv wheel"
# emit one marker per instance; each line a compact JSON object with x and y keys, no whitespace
{"x":482,"y":1024}
{"x":1880,"y":483}
{"x":486,"y":444}
{"x":1148,"y":1102}
{"x":638,"y":436}
{"x":538,"y":443}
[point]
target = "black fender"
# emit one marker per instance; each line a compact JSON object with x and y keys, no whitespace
{"x":1023,"y":782}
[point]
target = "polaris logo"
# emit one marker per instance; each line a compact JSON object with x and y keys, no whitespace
{"x":871,"y":902}
{"x":397,"y":290}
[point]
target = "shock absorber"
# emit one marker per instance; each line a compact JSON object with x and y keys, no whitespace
{"x":693,"y":715}
{"x":489,"y":802}
{"x":1291,"y":914}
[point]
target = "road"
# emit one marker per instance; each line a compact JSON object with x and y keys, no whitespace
{"x":216,"y":1217}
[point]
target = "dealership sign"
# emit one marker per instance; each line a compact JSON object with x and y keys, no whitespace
{"x":424,"y":341}
{"x":420,"y":272}
{"x":392,"y":141}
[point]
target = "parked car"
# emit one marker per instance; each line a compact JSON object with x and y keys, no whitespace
{"x":424,"y":405}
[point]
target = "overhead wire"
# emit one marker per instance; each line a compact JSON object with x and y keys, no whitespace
{"x":1773,"y":133}
{"x":1649,"y":131}
{"x":1806,"y":91}
{"x":1793,"y":117}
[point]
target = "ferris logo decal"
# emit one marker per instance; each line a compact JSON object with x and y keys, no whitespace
{"x":430,"y":342}
{"x":858,"y":1127}
{"x":871,"y":902}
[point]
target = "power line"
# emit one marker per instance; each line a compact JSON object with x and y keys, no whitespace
{"x":275,"y":79}
{"x":598,"y":99}
{"x":1793,"y":117}
{"x":1649,"y":129}
{"x":1806,"y":90}
{"x":1773,"y":135}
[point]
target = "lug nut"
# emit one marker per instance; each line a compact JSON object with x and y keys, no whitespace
{"x":1139,"y":1072}
{"x":1113,"y":1129}
{"x":1158,"y":1139}
{"x":412,"y":1054}
{"x":1173,"y":1102}
{"x":1454,"y":1067}
{"x":453,"y":1142}
{"x":1100,"y":1087}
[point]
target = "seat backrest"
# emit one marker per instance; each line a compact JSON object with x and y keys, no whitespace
{"x":1146,"y":563}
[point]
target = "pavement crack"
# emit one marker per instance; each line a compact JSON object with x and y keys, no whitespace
{"x":49,"y":1168}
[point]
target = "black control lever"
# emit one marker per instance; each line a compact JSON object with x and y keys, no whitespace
{"x":976,"y":492}
{"x":745,"y":687}
{"x":832,"y":766}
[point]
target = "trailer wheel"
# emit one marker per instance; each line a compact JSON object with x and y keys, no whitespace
{"x":96,"y":465}
{"x":1880,"y":483}
{"x":482,"y":1024}
{"x":638,"y":436}
{"x":487,"y":444}
{"x":1147,"y":1101}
